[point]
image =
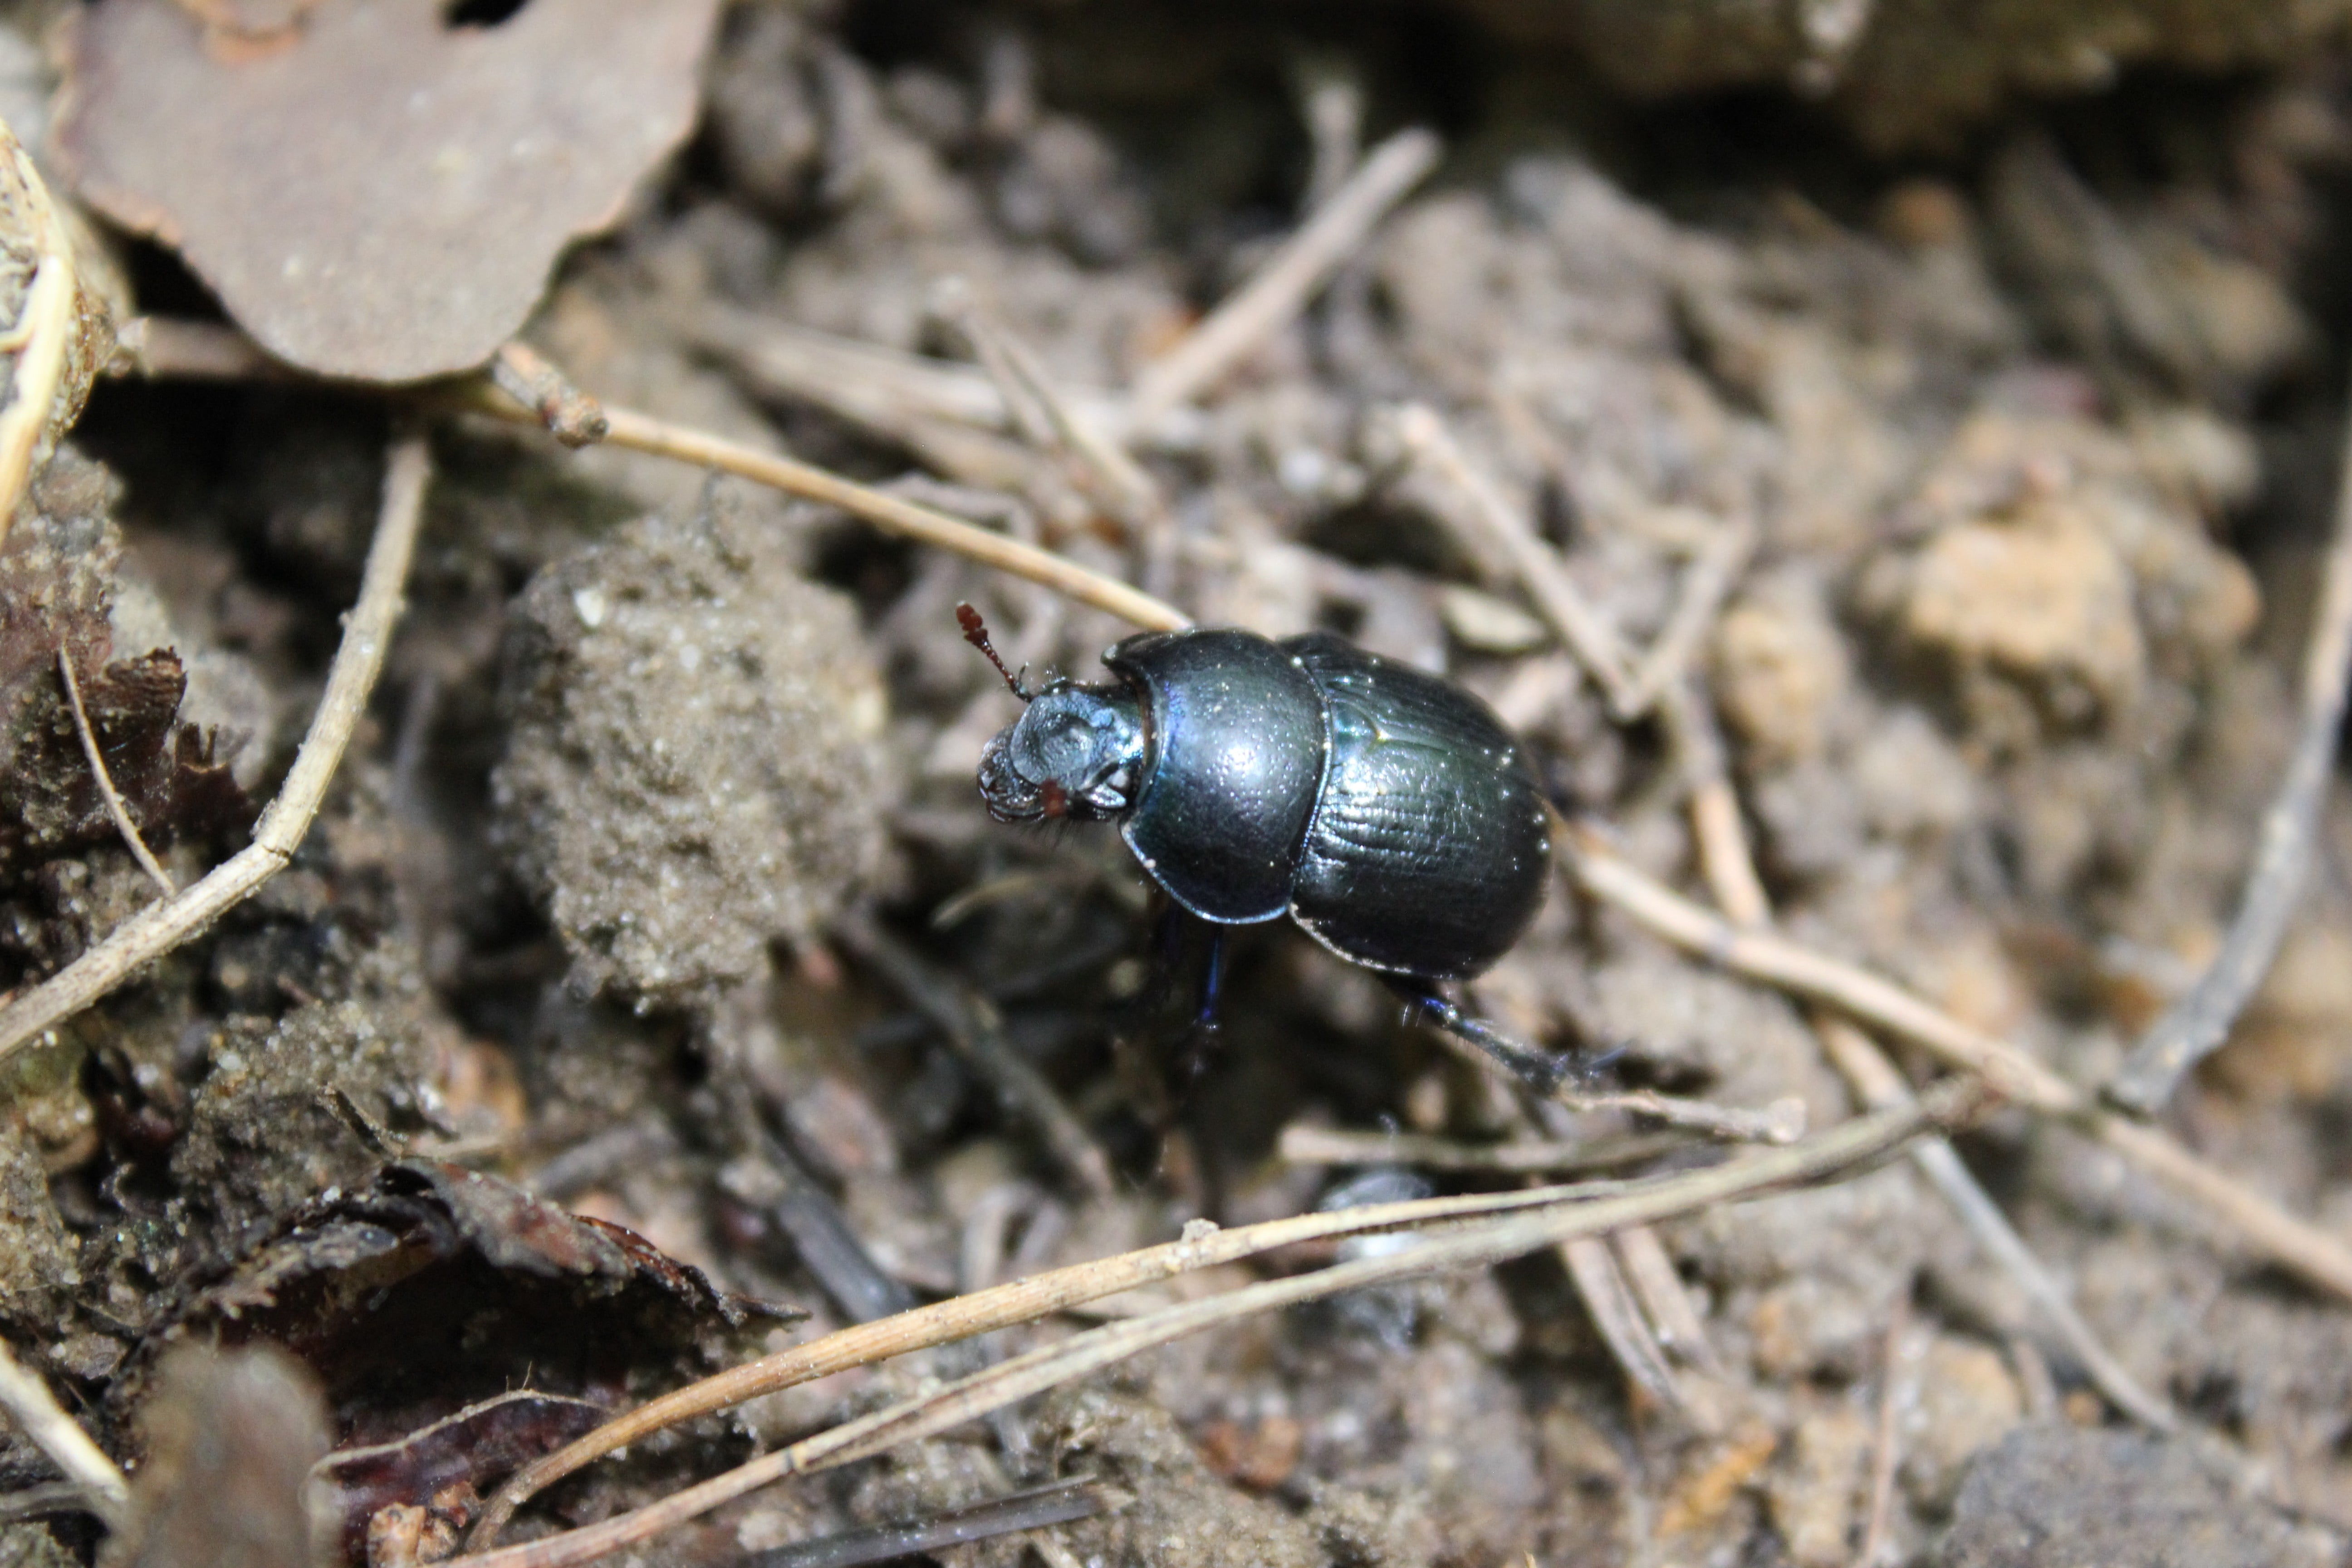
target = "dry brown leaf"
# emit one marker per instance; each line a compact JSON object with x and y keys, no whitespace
{"x":382,"y":199}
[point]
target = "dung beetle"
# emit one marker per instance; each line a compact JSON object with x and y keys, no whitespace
{"x":1387,"y":812}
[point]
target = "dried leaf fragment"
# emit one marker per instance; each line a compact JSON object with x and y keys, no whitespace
{"x":382,"y":199}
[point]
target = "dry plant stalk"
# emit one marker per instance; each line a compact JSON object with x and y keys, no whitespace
{"x":1302,"y":1144}
{"x":29,"y":1403}
{"x":1580,"y":626}
{"x":1458,"y":1245}
{"x":2193,"y":1027}
{"x":892,"y":514}
{"x":116,"y":806}
{"x":1711,"y":577}
{"x":1771,"y":960}
{"x":1126,"y":491}
{"x":1288,"y":278}
{"x":1610,"y":1301}
{"x":163,"y":926}
{"x":1887,"y":1441}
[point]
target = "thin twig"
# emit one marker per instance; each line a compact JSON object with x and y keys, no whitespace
{"x":1885,"y":1443}
{"x":971,"y":1025}
{"x":1708,"y":583}
{"x":367,"y":631}
{"x":569,"y":415}
{"x":2296,"y":1245}
{"x":1609,"y":1302}
{"x":116,"y":807}
{"x":1121,"y":484}
{"x":193,"y":349}
{"x":1302,"y":1144}
{"x":1538,"y":568}
{"x":892,"y":514}
{"x":1664,"y":1296}
{"x":2194,"y":1028}
{"x":29,"y":1403}
{"x":1781,"y":1121}
{"x":41,"y":336}
{"x":1459,"y":1246}
{"x":1281,"y":287}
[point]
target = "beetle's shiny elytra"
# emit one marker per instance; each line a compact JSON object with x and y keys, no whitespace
{"x":1386,"y":811}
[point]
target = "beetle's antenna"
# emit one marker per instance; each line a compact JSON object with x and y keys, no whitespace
{"x":975,"y":632}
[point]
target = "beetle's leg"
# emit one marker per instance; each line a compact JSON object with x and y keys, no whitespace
{"x":1539,"y":1069}
{"x":1213,"y":980}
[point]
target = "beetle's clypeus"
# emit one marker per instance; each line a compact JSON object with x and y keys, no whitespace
{"x":1386,"y":811}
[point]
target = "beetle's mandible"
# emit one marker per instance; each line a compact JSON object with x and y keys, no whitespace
{"x":1387,"y":812}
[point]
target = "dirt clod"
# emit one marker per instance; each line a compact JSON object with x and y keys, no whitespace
{"x":693,"y":771}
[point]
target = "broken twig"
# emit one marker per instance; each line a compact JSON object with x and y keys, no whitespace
{"x":116,"y":806}
{"x":1301,"y":1144}
{"x":2194,"y":1028}
{"x":892,"y":514}
{"x":163,"y":926}
{"x":1282,"y":285}
{"x":1538,"y":568}
{"x":1886,"y":1442}
{"x":29,"y":1403}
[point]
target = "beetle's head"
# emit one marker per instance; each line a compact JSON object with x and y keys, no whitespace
{"x":1076,"y":751}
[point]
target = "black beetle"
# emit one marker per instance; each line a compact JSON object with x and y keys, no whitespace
{"x":1387,"y":812}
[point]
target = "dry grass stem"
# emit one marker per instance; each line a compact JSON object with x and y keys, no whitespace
{"x":1672,"y":1315}
{"x":891,"y":514}
{"x":1120,"y":483}
{"x":41,"y":337}
{"x":1767,"y":959}
{"x":2194,"y":1028}
{"x":1281,"y":287}
{"x":1885,"y":1443}
{"x":1301,"y":1144}
{"x":1782,"y":1122}
{"x":161,"y":926}
{"x":1609,"y":1302}
{"x":1540,"y":572}
{"x":1463,"y":1244}
{"x":1707,"y":584}
{"x":116,"y":806}
{"x":37,"y":1415}
{"x":570,"y":415}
